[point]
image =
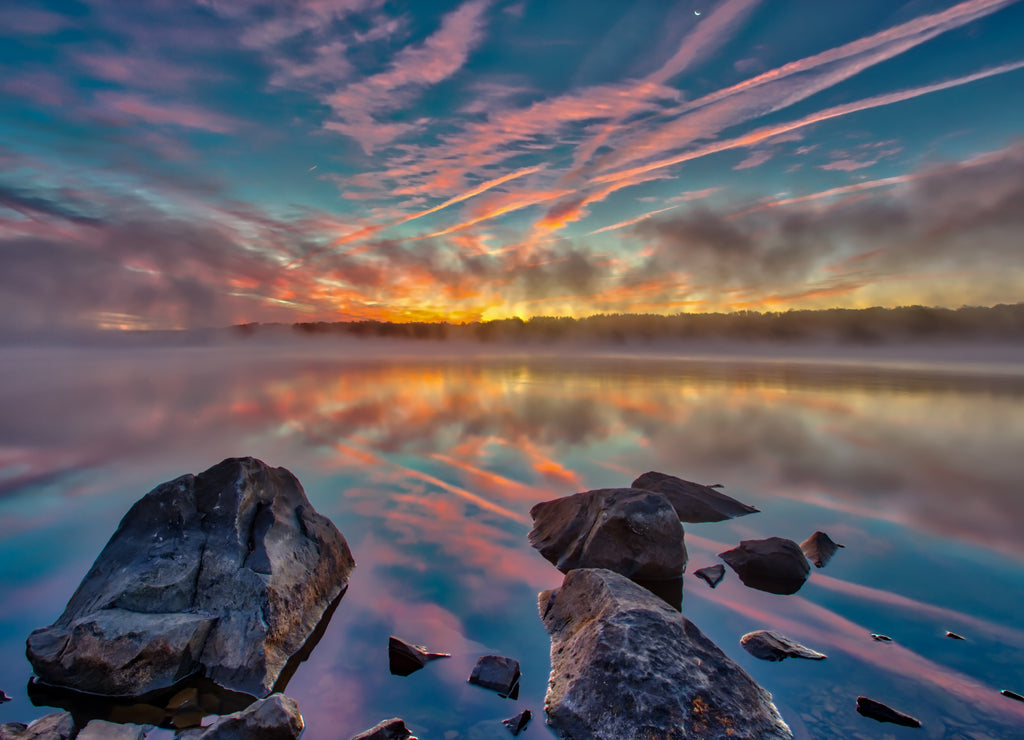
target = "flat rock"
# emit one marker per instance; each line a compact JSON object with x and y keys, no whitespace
{"x":693,"y":502}
{"x":56,"y":726}
{"x":497,"y":673}
{"x":632,"y":532}
{"x":772,"y":646}
{"x":626,"y":665}
{"x":98,"y":729}
{"x":389,"y":729}
{"x":819,"y":549}
{"x":713,"y":574}
{"x":518,"y":723}
{"x":224,"y":574}
{"x":878,"y":711}
{"x":275,"y":718}
{"x":775,"y":564}
{"x":404,"y":658}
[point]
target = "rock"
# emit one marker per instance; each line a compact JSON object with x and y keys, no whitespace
{"x":56,"y":726}
{"x":880,"y":638}
{"x":819,"y":549}
{"x":626,"y":665}
{"x":632,"y":532}
{"x":693,"y":502}
{"x":497,"y":673}
{"x":713,"y":574}
{"x":405,"y":658}
{"x":225,"y":574}
{"x":775,"y":565}
{"x":389,"y":729}
{"x":98,"y":729}
{"x":772,"y":646}
{"x":275,"y":718}
{"x":955,"y":636}
{"x":4,"y":697}
{"x":879,"y":711}
{"x":518,"y":723}
{"x":1012,"y":694}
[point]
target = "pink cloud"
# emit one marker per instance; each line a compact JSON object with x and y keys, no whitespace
{"x":172,"y":114}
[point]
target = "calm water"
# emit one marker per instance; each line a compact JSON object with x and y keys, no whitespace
{"x":429,"y":469}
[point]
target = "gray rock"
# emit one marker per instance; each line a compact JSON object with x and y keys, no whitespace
{"x":878,"y":711}
{"x":775,"y":565}
{"x":626,"y":665}
{"x":275,"y":718}
{"x":632,"y":532}
{"x":99,"y":729}
{"x":56,"y":726}
{"x":389,"y":729}
{"x":713,"y":574}
{"x":819,"y":549}
{"x":768,"y":645}
{"x":518,"y":723}
{"x":404,"y":658}
{"x":224,"y":574}
{"x":497,"y":673}
{"x":693,"y":502}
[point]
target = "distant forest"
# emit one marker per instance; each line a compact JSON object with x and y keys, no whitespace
{"x":867,"y":326}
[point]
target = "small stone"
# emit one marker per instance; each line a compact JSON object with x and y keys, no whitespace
{"x":405,"y":658}
{"x":693,"y":502}
{"x":98,"y":729}
{"x":819,"y":549}
{"x":880,"y":638}
{"x":4,"y":697}
{"x":56,"y":726}
{"x":713,"y":574}
{"x":389,"y":729}
{"x":955,"y":636}
{"x":772,"y":646}
{"x":1012,"y":694}
{"x":518,"y":723}
{"x":497,"y":673}
{"x":275,"y":718}
{"x":775,"y":564}
{"x":878,"y":711}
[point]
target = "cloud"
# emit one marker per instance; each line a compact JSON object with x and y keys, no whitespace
{"x":165,"y":114}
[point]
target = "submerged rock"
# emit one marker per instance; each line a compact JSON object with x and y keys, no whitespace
{"x":693,"y":502}
{"x":518,"y":723}
{"x":389,"y":729}
{"x":56,"y":726}
{"x":404,"y":658}
{"x":819,"y":549}
{"x":632,"y":532}
{"x":775,"y":565}
{"x":275,"y":718}
{"x":497,"y":673}
{"x":225,"y":574}
{"x":626,"y":665}
{"x":713,"y":574}
{"x":878,"y":711}
{"x":768,"y":645}
{"x":99,"y":729}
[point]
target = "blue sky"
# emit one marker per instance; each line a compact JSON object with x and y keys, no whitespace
{"x":173,"y":163}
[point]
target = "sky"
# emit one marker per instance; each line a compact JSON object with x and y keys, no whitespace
{"x":189,"y":163}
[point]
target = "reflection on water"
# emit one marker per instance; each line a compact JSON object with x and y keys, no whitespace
{"x":430,"y":469}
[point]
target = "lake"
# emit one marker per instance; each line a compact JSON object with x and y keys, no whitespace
{"x":429,"y":467}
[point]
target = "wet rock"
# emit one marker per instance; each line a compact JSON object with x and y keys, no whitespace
{"x":693,"y":502}
{"x":275,"y":718}
{"x":626,"y":665}
{"x":880,"y":638}
{"x":1012,"y":694}
{"x":4,"y":697}
{"x":775,"y":564}
{"x":632,"y":532}
{"x":389,"y":729}
{"x":497,"y":673}
{"x":56,"y":726}
{"x":518,"y":723}
{"x":819,"y":549}
{"x":225,"y":574}
{"x":878,"y":711}
{"x":955,"y":636}
{"x":772,"y":646}
{"x":713,"y":574}
{"x":97,"y":729}
{"x":405,"y":658}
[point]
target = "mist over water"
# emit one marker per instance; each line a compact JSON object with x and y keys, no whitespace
{"x":429,"y":466}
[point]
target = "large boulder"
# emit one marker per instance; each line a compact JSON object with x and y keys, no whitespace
{"x":626,"y":665}
{"x":775,"y":564}
{"x":693,"y":502}
{"x":223,"y":574}
{"x":632,"y":532}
